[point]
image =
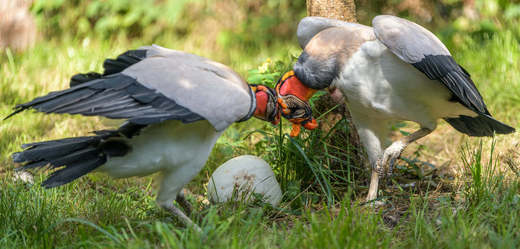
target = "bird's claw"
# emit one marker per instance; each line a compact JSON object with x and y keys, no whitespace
{"x":184,"y":203}
{"x":376,"y":204}
{"x":386,"y":163}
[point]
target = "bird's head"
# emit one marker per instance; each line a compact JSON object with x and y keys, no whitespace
{"x":266,"y":104}
{"x":293,"y":99}
{"x":289,"y":99}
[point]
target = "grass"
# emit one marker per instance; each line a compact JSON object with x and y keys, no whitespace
{"x":466,"y":196}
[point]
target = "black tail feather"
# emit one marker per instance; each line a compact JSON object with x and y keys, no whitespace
{"x":75,"y":157}
{"x":73,"y":171}
{"x":483,"y":125}
{"x":53,"y":149}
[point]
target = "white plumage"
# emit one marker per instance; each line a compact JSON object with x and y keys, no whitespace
{"x":178,"y":151}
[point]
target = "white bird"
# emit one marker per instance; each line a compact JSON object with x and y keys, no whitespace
{"x":393,"y":71}
{"x":176,"y":105}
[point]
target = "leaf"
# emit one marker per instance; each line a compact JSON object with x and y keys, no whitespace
{"x":404,"y":133}
{"x":513,"y":11}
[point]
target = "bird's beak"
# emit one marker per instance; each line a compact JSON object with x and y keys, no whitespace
{"x":293,"y":99}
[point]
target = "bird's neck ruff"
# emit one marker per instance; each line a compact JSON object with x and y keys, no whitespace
{"x":266,"y":103}
{"x":293,"y":98}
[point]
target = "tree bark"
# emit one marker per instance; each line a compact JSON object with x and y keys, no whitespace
{"x":344,"y":144}
{"x":17,"y":26}
{"x":344,"y":10}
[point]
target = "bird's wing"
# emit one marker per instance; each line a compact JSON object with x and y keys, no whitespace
{"x":113,"y":66}
{"x":175,"y":85}
{"x":312,"y":25}
{"x":122,"y":62}
{"x":419,"y":47}
{"x":327,"y":51}
{"x":206,"y":87}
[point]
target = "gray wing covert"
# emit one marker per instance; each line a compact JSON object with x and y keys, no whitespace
{"x":208,"y":88}
{"x":308,"y":27}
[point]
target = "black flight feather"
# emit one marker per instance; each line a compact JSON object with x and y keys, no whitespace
{"x":111,"y":66}
{"x":123,"y":61}
{"x":115,"y":96}
{"x":444,"y":69}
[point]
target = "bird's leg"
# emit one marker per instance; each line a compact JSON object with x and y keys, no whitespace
{"x":175,"y":211}
{"x":183,"y":202}
{"x":171,"y":188}
{"x":374,"y":184}
{"x":393,"y":152}
{"x":372,"y":142}
{"x":388,"y":160}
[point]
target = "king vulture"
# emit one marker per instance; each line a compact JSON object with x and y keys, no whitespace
{"x":395,"y":70}
{"x":176,"y":105}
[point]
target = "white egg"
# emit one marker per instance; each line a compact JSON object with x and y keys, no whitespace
{"x":240,"y":176}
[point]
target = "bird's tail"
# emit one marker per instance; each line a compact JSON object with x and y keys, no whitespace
{"x":483,"y":125}
{"x":74,"y":157}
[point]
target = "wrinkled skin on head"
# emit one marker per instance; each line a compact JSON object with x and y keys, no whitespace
{"x":293,"y":98}
{"x":267,"y":108}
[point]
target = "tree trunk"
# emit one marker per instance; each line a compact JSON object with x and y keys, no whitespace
{"x":17,"y":26}
{"x":344,"y":10}
{"x":345,"y":145}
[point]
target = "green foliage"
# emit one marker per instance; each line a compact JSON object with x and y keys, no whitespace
{"x":149,"y":20}
{"x":269,"y":72}
{"x":266,"y":22}
{"x":485,"y":178}
{"x":454,"y":20}
{"x":130,"y":18}
{"x":491,"y":17}
{"x":116,"y":214}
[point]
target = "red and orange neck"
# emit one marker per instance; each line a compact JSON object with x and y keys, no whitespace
{"x":266,"y":104}
{"x":290,"y":84}
{"x":293,"y":98}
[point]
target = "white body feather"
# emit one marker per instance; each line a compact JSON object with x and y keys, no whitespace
{"x":177,"y":150}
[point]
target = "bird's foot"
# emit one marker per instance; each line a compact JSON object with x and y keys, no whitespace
{"x":184,"y":203}
{"x":385,"y":164}
{"x":375,"y":204}
{"x":175,"y":211}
